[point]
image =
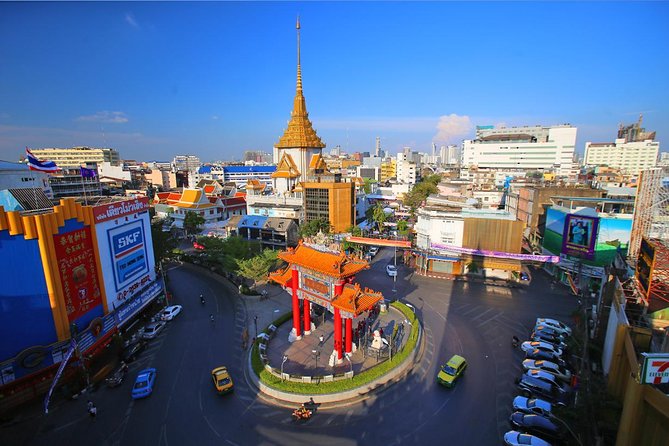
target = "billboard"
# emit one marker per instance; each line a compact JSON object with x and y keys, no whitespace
{"x":78,"y":272}
{"x":655,"y":368}
{"x":125,"y":248}
{"x":611,"y":236}
{"x":580,"y":236}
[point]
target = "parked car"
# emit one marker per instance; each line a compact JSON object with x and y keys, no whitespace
{"x":515,"y":438}
{"x":170,"y":312}
{"x":549,"y":378}
{"x":546,"y":356}
{"x":391,"y":270}
{"x":374,"y":250}
{"x":554,"y":324}
{"x":532,"y":405}
{"x":117,"y":377}
{"x":562,"y":373}
{"x":152,"y":330}
{"x":452,"y":370}
{"x":198,"y":246}
{"x":549,"y":331}
{"x":537,"y":425}
{"x":546,"y":337}
{"x":131,"y":351}
{"x":533,"y":387}
{"x":528,"y":346}
{"x":222,"y":380}
{"x":144,"y":384}
{"x":524,"y":276}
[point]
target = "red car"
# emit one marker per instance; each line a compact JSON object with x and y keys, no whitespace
{"x":196,"y":245}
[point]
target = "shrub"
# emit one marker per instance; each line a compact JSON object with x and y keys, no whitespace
{"x":342,"y":385}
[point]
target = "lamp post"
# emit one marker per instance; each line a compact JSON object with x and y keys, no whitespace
{"x":162,"y":274}
{"x":283,"y":361}
{"x":316,"y":354}
{"x":255,"y":321}
{"x":349,"y":361}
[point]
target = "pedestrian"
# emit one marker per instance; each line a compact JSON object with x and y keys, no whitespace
{"x":321,"y":339}
{"x":92,"y":410}
{"x":381,"y":331}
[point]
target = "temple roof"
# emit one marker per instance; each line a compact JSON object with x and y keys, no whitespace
{"x":355,"y":300}
{"x":283,"y":278}
{"x":318,"y":163}
{"x":286,"y":168}
{"x":326,"y":262}
{"x":300,"y":132}
{"x":254,"y":183}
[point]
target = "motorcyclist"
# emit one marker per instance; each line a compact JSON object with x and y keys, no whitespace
{"x":515,"y":341}
{"x":211,"y":317}
{"x":201,"y":299}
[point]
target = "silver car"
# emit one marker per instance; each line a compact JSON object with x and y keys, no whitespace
{"x":532,"y":405}
{"x":561,"y":372}
{"x":152,"y":330}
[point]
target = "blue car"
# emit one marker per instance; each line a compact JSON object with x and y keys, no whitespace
{"x":144,"y":384}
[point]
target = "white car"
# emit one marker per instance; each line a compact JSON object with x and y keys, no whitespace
{"x":532,"y":405}
{"x":391,"y":270}
{"x":152,"y":330}
{"x":540,"y":364}
{"x":529,"y":346}
{"x":546,"y":377}
{"x":170,"y":313}
{"x":374,"y":250}
{"x":517,"y":438}
{"x":554,"y":324}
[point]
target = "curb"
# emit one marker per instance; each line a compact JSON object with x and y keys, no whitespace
{"x":330,"y":399}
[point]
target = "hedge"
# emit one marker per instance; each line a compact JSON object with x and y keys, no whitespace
{"x":345,"y":384}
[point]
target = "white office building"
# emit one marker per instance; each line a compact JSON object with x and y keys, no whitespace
{"x":527,"y":148}
{"x":630,"y":157}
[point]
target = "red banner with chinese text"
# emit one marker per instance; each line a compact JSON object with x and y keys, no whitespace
{"x":78,"y":272}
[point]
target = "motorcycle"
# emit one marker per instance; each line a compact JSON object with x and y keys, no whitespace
{"x":201,"y":299}
{"x":515,"y":342}
{"x":301,"y":413}
{"x":117,"y":377}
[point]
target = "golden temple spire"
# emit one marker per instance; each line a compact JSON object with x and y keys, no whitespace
{"x":300,"y":132}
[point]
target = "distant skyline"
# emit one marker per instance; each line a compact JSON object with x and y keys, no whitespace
{"x":214,"y":79}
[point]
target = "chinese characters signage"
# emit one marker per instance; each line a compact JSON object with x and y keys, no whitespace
{"x":78,"y":273}
{"x":316,"y":286}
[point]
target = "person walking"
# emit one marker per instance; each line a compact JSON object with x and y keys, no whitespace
{"x":321,"y":339}
{"x":92,"y":410}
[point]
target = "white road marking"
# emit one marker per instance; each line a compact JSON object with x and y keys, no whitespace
{"x":473,"y":310}
{"x":483,"y":314}
{"x":211,"y":426}
{"x":330,"y":420}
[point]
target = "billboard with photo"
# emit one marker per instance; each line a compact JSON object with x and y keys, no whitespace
{"x":126,"y":252}
{"x":610,"y":236}
{"x":580,"y":236}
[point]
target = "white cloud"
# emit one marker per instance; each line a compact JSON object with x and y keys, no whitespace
{"x":452,"y":128}
{"x":130,"y":20}
{"x":215,"y":117}
{"x":109,"y":117}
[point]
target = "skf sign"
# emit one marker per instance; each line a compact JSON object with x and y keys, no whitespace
{"x":127,"y":240}
{"x":655,"y":368}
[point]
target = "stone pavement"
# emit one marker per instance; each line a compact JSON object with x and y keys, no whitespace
{"x":301,"y":357}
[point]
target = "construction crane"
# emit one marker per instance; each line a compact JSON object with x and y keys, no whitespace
{"x":507,"y":186}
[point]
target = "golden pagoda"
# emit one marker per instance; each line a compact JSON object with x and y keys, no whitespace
{"x":300,"y":132}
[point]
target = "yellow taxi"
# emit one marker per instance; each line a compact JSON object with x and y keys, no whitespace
{"x":222,"y":380}
{"x":451,"y":371}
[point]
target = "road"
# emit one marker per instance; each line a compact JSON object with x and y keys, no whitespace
{"x":470,"y":319}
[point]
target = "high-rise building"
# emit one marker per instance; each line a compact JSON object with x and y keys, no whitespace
{"x":529,"y":148}
{"x":633,"y":151}
{"x":185,"y":163}
{"x":74,"y":157}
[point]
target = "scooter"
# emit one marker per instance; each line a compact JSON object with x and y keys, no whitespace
{"x":301,"y":413}
{"x":515,"y":342}
{"x":117,"y":377}
{"x":201,"y":299}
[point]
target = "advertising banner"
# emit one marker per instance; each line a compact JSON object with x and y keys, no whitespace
{"x":78,"y":272}
{"x":115,"y":211}
{"x":580,"y":236}
{"x":655,"y":368}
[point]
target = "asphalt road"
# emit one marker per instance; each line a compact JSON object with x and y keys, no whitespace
{"x":470,"y":319}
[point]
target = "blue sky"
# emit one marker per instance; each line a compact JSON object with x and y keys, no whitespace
{"x":214,"y":79}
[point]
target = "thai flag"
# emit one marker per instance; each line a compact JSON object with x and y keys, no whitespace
{"x":41,"y":166}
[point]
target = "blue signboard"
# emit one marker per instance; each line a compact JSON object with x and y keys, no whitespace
{"x":129,"y":253}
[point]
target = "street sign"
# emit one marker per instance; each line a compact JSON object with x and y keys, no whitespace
{"x":655,"y":368}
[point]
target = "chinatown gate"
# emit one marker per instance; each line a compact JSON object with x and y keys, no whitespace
{"x":323,"y":277}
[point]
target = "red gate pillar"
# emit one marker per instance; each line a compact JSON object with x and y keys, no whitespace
{"x":349,"y":334}
{"x":296,"y":302}
{"x":339,"y":287}
{"x":337,"y":334}
{"x":307,"y":317}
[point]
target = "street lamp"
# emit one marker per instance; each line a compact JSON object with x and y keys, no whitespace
{"x":283,"y":361}
{"x":316,"y":354}
{"x":255,"y":320}
{"x":349,"y":361}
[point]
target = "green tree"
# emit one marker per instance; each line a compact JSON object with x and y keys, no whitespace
{"x":354,"y":230}
{"x":426,"y":187}
{"x":379,"y":216}
{"x":367,"y":187}
{"x":192,"y":221}
{"x":163,"y":242}
{"x":402,"y":226}
{"x":313,"y":227}
{"x":258,"y":267}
